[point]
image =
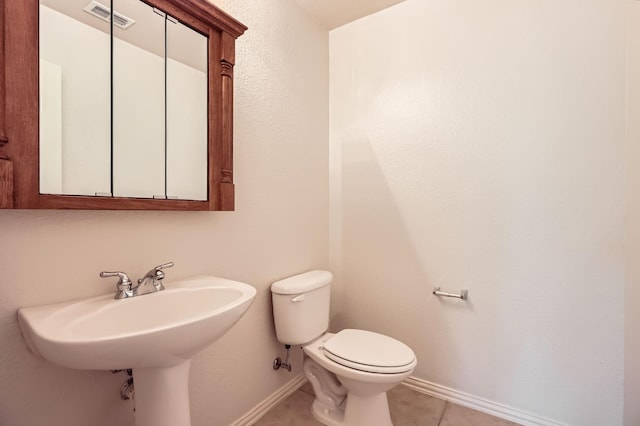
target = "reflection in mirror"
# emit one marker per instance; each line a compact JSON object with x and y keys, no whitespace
{"x":123,"y":116}
{"x":74,"y":100}
{"x":138,"y":102}
{"x":187,"y":119}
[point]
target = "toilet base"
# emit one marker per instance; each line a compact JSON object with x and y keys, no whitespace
{"x":356,"y":411}
{"x":327,"y":416}
{"x":334,"y":405}
{"x":366,"y":393}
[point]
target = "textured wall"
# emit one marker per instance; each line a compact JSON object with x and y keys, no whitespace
{"x":481,"y":146}
{"x":632,"y":231}
{"x":280,"y":227}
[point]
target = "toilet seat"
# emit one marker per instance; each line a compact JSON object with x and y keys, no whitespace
{"x":369,"y":351}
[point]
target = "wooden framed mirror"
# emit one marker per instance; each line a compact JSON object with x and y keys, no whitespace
{"x":25,"y":101}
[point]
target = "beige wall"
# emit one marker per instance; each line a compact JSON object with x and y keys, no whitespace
{"x":280,"y":227}
{"x":481,"y":146}
{"x":632,"y":231}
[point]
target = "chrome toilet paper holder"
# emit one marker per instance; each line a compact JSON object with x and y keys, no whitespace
{"x":464,"y":294}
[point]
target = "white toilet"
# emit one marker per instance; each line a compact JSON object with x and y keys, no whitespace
{"x":350,"y":371}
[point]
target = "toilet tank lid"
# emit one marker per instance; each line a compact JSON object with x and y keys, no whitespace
{"x":302,"y":283}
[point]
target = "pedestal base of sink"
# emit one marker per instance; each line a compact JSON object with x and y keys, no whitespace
{"x":162,"y":395}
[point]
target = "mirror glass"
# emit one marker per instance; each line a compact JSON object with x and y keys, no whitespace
{"x":125,"y":115}
{"x":138,"y":101}
{"x":187,"y":136}
{"x":75,"y":91}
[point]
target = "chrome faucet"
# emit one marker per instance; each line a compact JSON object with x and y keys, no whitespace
{"x":150,"y":283}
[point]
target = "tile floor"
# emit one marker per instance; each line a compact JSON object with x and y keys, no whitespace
{"x":408,"y":408}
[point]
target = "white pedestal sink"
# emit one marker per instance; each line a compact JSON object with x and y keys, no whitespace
{"x":156,"y":335}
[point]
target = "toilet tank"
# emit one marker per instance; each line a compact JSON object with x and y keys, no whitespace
{"x":301,"y":306}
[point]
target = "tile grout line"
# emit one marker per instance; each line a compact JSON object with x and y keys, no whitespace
{"x":308,"y":393}
{"x":446,"y":405}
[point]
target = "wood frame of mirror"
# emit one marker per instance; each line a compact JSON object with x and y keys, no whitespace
{"x":19,"y":111}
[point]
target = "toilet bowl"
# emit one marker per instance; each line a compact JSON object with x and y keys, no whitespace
{"x":365,"y":398}
{"x":351,"y":370}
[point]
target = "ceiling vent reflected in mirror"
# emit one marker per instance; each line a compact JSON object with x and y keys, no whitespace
{"x":103,"y":12}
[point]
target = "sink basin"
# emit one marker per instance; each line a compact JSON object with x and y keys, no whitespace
{"x":155,"y":335}
{"x":160,"y":329}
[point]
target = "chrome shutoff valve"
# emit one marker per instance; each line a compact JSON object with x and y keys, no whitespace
{"x":278,"y":363}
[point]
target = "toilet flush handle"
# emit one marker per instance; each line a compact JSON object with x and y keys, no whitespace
{"x":298,"y":298}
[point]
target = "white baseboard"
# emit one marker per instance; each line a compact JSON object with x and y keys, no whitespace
{"x":272,"y":400}
{"x":423,"y":386}
{"x":479,"y":404}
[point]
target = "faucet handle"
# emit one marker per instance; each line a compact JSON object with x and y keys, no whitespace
{"x":164,"y":266}
{"x":123,"y":281}
{"x":123,"y":285}
{"x":159,"y":275}
{"x":156,"y":275}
